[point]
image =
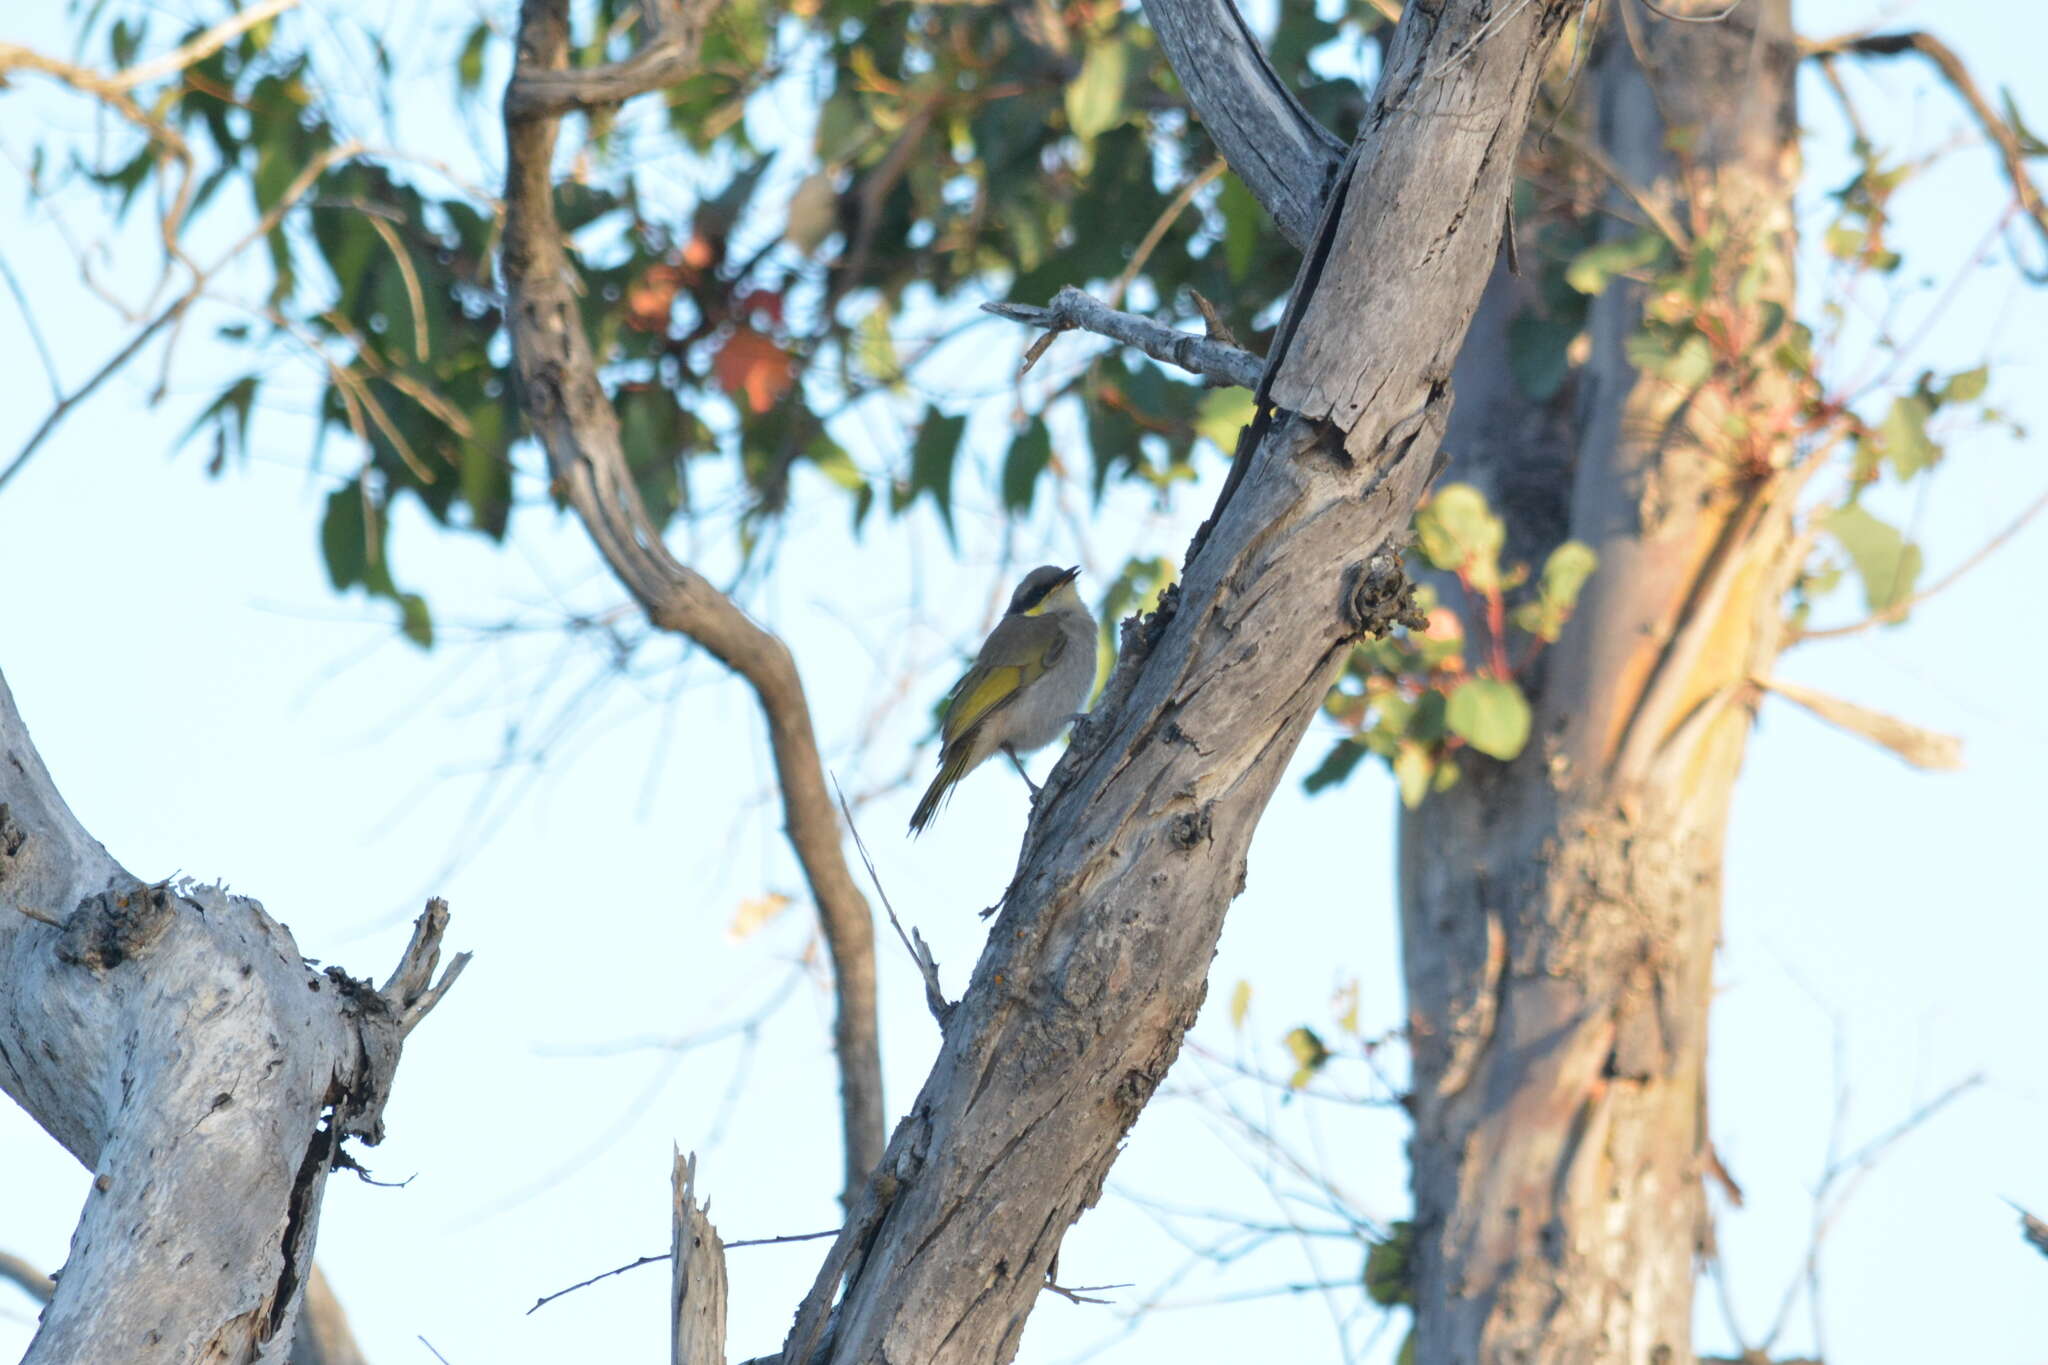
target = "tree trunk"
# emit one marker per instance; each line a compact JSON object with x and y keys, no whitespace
{"x":1559,"y":914}
{"x":175,"y":1042}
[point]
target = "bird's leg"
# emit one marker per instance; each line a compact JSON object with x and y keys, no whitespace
{"x":1018,"y":764}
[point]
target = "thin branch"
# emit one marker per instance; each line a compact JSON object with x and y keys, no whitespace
{"x":1157,"y":232}
{"x":2002,"y":134}
{"x":660,"y":1256}
{"x":669,"y":56}
{"x":570,"y":413}
{"x":295,"y":191}
{"x":203,"y":46}
{"x":913,"y":943}
{"x":1926,"y":749}
{"x":35,"y":331}
{"x":1071,"y":309}
{"x":23,"y":1273}
{"x":1898,"y":610}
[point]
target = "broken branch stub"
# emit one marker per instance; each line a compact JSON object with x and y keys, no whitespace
{"x":174,"y":1040}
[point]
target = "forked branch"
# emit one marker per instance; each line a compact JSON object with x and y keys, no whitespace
{"x":576,"y":423}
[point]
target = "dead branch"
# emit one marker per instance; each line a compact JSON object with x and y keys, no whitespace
{"x":162,"y":995}
{"x":577,"y":425}
{"x":1071,"y":309}
{"x":697,"y":1287}
{"x":1923,"y":748}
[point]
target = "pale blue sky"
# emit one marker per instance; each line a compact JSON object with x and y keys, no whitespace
{"x":208,"y":706}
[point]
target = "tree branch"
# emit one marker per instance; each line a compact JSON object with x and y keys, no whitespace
{"x":2003,"y":135}
{"x":575,"y":421}
{"x":670,"y":55}
{"x":1920,"y":747}
{"x":1283,"y":156}
{"x":1071,"y":309}
{"x":176,"y":1043}
{"x":1099,"y":960}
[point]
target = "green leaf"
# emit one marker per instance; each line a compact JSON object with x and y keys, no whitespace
{"x":416,"y":622}
{"x":1566,"y":571}
{"x":1030,"y":454}
{"x":1309,"y":1055}
{"x":1904,"y":436}
{"x":1390,"y":1266}
{"x":469,"y":67}
{"x":931,"y":462}
{"x":1456,"y":530}
{"x":1966,"y":387}
{"x":1414,"y":766}
{"x":1537,"y":354}
{"x":345,"y":537}
{"x":1844,"y":242}
{"x":1592,"y":268}
{"x":1223,"y":413}
{"x":1240,"y":1003}
{"x":1335,"y":767}
{"x":2030,"y":145}
{"x":1244,"y":223}
{"x":1885,"y":560}
{"x":1095,"y":97}
{"x":1491,"y":715}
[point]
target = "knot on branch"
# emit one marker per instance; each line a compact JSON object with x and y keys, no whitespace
{"x":1190,"y":828}
{"x":12,"y":836}
{"x":1378,"y":596}
{"x":117,"y":924}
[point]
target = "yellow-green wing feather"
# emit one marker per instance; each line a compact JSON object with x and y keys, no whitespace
{"x":1017,"y":652}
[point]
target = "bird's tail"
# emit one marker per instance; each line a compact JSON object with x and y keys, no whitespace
{"x":952,"y":767}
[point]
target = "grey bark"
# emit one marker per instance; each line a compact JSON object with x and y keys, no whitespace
{"x":1560,"y":913}
{"x":173,"y":1039}
{"x":697,"y":1278}
{"x":1284,"y":157}
{"x":567,"y":408}
{"x":1098,"y":961}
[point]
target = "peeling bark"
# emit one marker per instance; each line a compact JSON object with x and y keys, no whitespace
{"x":1559,"y":914}
{"x":174,"y":1040}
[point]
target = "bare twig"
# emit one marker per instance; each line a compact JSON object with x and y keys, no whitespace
{"x":2035,"y":1230}
{"x":2002,"y":135}
{"x":203,"y":46}
{"x":202,"y":276}
{"x":35,"y":331}
{"x":667,"y":1255}
{"x":1071,"y":309}
{"x":913,"y":943}
{"x":1153,"y":235}
{"x":23,"y":1273}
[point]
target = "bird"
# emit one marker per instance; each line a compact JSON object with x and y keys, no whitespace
{"x":1030,"y":678}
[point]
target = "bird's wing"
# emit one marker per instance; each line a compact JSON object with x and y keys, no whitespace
{"x":1015,"y":654}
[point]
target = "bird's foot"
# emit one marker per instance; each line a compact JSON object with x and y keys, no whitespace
{"x":1018,"y":764}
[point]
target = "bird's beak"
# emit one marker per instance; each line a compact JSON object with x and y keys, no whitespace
{"x":1069,"y":576}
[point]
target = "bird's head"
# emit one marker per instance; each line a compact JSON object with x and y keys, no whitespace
{"x":1045,"y":588}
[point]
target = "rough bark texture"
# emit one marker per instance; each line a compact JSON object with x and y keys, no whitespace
{"x":1560,"y":913}
{"x":174,"y":1041}
{"x":563,"y":400}
{"x":1099,"y":960}
{"x":697,"y":1278}
{"x":1284,"y":157}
